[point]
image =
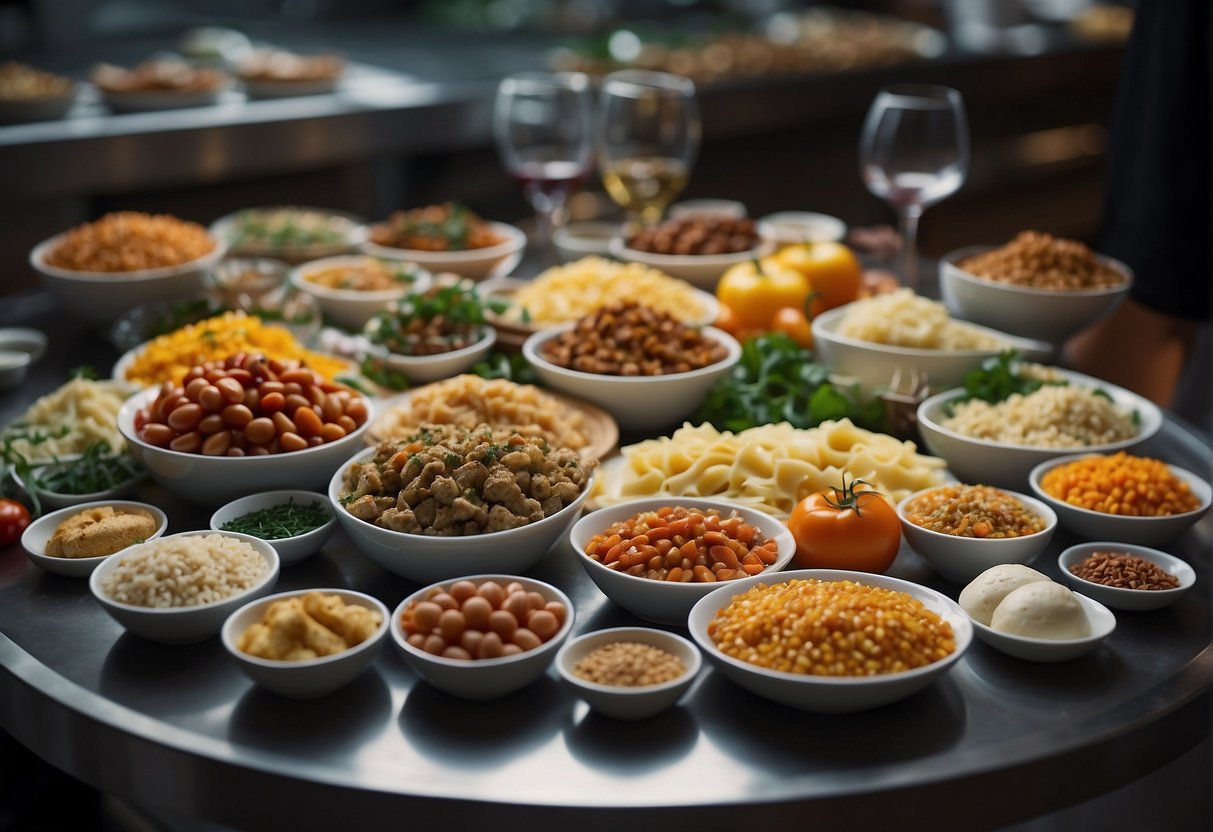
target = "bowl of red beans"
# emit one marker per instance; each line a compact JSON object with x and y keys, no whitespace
{"x":244,"y":426}
{"x":657,"y":557}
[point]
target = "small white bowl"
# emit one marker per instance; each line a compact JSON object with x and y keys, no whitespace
{"x":1044,"y":650}
{"x":962,"y":559}
{"x":474,"y":264}
{"x":638,"y":403}
{"x":19,"y":348}
{"x":144,"y":101}
{"x":423,"y":369}
{"x":584,"y":239}
{"x":350,"y":227}
{"x":1134,"y":600}
{"x":213,"y":480}
{"x":1147,"y":531}
{"x":1047,"y":314}
{"x":37,"y":533}
{"x":617,"y":701}
{"x":729,"y":208}
{"x":429,"y":558}
{"x":701,"y":270}
{"x":291,"y":550}
{"x":57,"y":499}
{"x":99,"y":298}
{"x":349,"y":308}
{"x":663,"y":602}
{"x":484,"y":678}
{"x":1007,"y":465}
{"x":305,"y":678}
{"x":830,"y":694}
{"x":181,"y":625}
{"x":793,"y":227}
{"x":873,"y":365}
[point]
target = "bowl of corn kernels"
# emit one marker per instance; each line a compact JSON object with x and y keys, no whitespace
{"x":629,"y":672}
{"x":836,"y":651}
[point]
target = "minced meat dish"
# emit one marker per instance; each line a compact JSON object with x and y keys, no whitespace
{"x":449,"y":480}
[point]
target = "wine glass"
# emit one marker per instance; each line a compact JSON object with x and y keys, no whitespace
{"x":541,"y":123}
{"x":914,"y":151}
{"x":648,"y":135}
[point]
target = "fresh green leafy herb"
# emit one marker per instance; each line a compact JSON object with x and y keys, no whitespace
{"x":440,"y":320}
{"x":289,"y":519}
{"x":379,"y":372}
{"x":98,"y":469}
{"x":85,"y":371}
{"x":511,"y":367}
{"x":998,"y":378}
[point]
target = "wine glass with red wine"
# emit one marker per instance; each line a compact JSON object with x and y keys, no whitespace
{"x":541,"y":123}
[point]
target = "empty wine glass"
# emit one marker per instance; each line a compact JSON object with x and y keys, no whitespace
{"x":648,"y":135}
{"x":541,"y":123}
{"x":914,"y":152}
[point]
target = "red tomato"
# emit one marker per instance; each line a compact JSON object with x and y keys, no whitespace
{"x":14,"y":517}
{"x":845,"y":529}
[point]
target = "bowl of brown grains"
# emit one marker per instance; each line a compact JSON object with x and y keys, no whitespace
{"x":963,"y":530}
{"x":1126,"y":576}
{"x":629,"y":672}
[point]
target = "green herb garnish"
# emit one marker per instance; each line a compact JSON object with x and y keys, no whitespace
{"x":511,"y":367}
{"x":289,"y":519}
{"x":442,"y":319}
{"x":98,"y":469}
{"x":997,"y":379}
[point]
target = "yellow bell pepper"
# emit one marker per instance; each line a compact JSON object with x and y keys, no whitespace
{"x":756,"y":290}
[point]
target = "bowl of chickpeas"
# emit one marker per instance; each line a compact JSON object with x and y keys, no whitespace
{"x":657,"y":557}
{"x":482,"y":636}
{"x":1036,"y":286}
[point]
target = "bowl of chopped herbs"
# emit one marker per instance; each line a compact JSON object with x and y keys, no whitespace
{"x":296,"y":523}
{"x":96,"y":474}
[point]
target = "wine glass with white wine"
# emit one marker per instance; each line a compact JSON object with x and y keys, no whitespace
{"x":914,"y":152}
{"x":648,"y":135}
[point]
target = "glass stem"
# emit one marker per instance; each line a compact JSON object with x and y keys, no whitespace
{"x":909,"y":245}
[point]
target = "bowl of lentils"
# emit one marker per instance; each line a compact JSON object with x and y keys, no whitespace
{"x":1126,"y":576}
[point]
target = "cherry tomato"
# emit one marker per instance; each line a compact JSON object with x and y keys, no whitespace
{"x":794,"y":324}
{"x":845,"y":528}
{"x":727,"y":320}
{"x":14,"y":517}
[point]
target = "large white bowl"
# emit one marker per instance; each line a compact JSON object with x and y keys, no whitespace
{"x":1134,"y":600}
{"x":429,"y":558}
{"x":1099,"y":525}
{"x":291,"y":550}
{"x":638,"y":403}
{"x":1045,"y":650}
{"x":1048,"y":314}
{"x":664,"y":602}
{"x":1007,"y":465}
{"x":702,"y":270}
{"x":423,"y":369}
{"x":305,"y":678}
{"x":474,"y":264}
{"x":348,"y":308}
{"x":962,"y":559}
{"x":873,"y":365}
{"x":830,"y":694}
{"x":97,"y":299}
{"x":484,"y":678}
{"x":181,"y":625}
{"x":351,"y":227}
{"x":618,"y":701}
{"x":39,"y":532}
{"x":211,"y":480}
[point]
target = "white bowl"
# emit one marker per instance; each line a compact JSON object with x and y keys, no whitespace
{"x":423,"y":369}
{"x":1102,"y":622}
{"x":1147,"y":531}
{"x":291,"y":550}
{"x":638,"y":403}
{"x":584,"y":239}
{"x":1007,"y":465}
{"x":474,"y":264}
{"x":617,"y":701}
{"x":830,"y":694}
{"x":211,"y":480}
{"x":873,"y":365}
{"x":305,"y":678}
{"x":142,"y":101}
{"x":484,"y":678}
{"x":701,"y":270}
{"x":57,"y":499}
{"x":181,"y":625}
{"x":44,"y":108}
{"x":962,"y":559}
{"x":99,"y":298}
{"x":793,"y":227}
{"x":39,"y":532}
{"x":1134,"y":600}
{"x":663,"y":602}
{"x":729,"y":208}
{"x":19,"y":348}
{"x":350,"y":226}
{"x":428,"y":558}
{"x":348,"y":308}
{"x":1047,"y":314}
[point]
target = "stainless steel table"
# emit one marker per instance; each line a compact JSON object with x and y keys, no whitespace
{"x":181,"y":729}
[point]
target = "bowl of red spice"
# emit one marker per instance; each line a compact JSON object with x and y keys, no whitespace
{"x":1126,"y":576}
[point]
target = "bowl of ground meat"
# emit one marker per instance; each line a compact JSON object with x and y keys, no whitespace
{"x":452,"y":501}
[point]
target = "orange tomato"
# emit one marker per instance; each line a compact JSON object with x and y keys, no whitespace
{"x":793,"y":323}
{"x":831,"y":268}
{"x":845,"y":529}
{"x":727,"y":320}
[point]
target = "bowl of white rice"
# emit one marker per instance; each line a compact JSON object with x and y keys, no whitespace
{"x":999,"y":444}
{"x":181,"y":588}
